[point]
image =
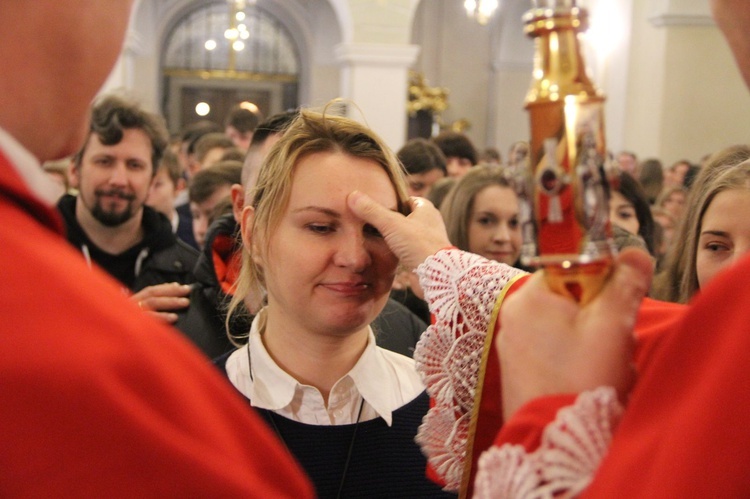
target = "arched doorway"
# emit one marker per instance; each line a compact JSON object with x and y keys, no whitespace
{"x":220,"y":54}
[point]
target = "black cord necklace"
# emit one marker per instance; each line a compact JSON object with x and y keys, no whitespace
{"x":272,"y":421}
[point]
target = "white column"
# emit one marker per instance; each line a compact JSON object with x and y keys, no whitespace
{"x":123,"y":73}
{"x":685,"y":96}
{"x":375,"y":78}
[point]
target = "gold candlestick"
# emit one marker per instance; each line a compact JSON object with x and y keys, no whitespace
{"x":565,"y":192}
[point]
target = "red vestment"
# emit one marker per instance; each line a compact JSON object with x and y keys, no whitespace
{"x":684,"y":429}
{"x":101,"y":400}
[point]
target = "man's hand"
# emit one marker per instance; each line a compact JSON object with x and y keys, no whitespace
{"x":161,"y":299}
{"x":411,"y":238}
{"x":549,"y":345}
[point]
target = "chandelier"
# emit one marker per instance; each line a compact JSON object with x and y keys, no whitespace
{"x":481,"y":10}
{"x":237,"y":31}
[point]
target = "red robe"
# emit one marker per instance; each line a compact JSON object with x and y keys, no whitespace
{"x":100,"y":400}
{"x":684,"y":432}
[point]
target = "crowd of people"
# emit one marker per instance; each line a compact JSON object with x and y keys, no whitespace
{"x":243,"y":312}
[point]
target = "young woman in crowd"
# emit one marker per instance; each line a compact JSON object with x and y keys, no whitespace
{"x":723,"y":235}
{"x":672,"y":200}
{"x":676,"y":174}
{"x":481,"y":215}
{"x":347,"y":409}
{"x":716,"y":228}
{"x":629,"y":209}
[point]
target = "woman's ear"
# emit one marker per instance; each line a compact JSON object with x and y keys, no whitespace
{"x":246,"y":225}
{"x":246,"y":228}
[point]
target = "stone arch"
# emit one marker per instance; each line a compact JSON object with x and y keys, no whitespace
{"x":267,"y":71}
{"x":315,"y":26}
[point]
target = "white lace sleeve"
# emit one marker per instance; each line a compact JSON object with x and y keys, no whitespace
{"x":572,"y":448}
{"x":461,"y":289}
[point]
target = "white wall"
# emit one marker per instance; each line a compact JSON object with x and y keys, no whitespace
{"x":686,"y":97}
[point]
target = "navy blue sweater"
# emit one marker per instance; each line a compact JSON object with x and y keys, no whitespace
{"x":385,"y":461}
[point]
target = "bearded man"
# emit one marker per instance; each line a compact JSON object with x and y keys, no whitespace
{"x":109,"y":222}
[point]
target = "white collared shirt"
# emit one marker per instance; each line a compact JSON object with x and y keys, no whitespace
{"x":175,"y":222}
{"x":28,"y":167}
{"x":381,"y":381}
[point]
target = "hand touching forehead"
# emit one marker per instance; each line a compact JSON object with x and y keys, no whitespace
{"x":326,"y":179}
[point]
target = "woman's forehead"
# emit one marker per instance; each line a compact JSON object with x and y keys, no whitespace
{"x":336,"y":174}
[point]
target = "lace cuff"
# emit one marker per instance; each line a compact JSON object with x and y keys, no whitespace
{"x":461,"y":289}
{"x":572,"y":448}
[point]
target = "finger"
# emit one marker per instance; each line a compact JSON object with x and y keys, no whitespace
{"x":178,"y":290}
{"x":170,"y":289}
{"x":625,"y":289}
{"x":371,"y":212}
{"x":416,"y":203}
{"x":412,"y":239}
{"x":166,"y":289}
{"x":164,"y":303}
{"x":167,"y":317}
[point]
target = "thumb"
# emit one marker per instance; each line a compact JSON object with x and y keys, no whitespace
{"x":412,"y":239}
{"x":609,"y":323}
{"x":629,"y":283}
{"x":364,"y":207}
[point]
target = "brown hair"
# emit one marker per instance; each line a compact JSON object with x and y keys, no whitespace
{"x":111,"y":115}
{"x":211,"y":141}
{"x":652,"y":178}
{"x":455,"y":144}
{"x":207,"y":181}
{"x":679,"y":281}
{"x":242,"y":119}
{"x":459,"y":203}
{"x":171,"y":164}
{"x":420,"y":156}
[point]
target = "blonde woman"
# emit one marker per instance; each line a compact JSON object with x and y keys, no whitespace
{"x":347,"y":409}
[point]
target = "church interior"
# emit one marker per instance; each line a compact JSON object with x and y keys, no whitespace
{"x":413,"y":67}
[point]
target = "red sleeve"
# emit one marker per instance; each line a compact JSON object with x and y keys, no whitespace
{"x":685,"y":432}
{"x":655,"y":320}
{"x":528,"y":423}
